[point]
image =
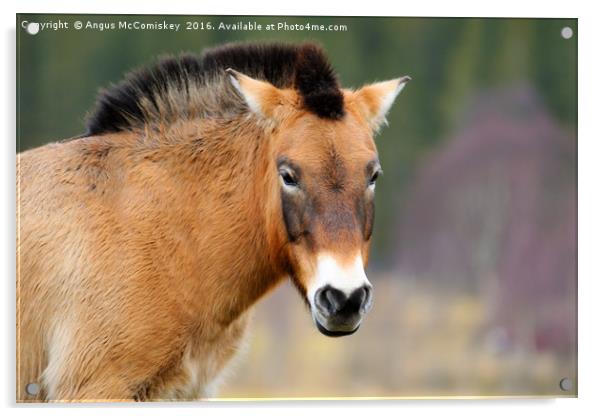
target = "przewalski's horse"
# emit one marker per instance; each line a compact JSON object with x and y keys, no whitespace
{"x":200,"y":185}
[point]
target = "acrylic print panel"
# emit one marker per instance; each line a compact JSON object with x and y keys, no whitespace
{"x":295,"y":207}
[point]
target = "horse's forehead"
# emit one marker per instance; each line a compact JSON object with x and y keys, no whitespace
{"x":313,"y":138}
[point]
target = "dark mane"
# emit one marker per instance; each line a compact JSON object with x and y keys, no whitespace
{"x":192,"y":86}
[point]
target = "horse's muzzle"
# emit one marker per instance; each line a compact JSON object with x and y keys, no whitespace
{"x":337,"y":313}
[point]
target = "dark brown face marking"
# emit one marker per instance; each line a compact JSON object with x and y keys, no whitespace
{"x":334,"y":170}
{"x":373,"y":171}
{"x":327,"y":204}
{"x":366,"y":212}
{"x":296,"y":210}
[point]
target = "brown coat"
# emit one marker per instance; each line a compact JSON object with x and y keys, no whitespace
{"x":141,"y":251}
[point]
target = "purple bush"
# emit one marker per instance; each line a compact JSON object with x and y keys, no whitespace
{"x":492,"y":212}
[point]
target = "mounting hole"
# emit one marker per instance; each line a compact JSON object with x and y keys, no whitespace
{"x":32,"y":28}
{"x":566,"y":32}
{"x":566,"y":384}
{"x":32,"y":389}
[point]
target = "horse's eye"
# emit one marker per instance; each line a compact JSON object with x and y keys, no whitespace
{"x":374,"y":177}
{"x":288,"y":179}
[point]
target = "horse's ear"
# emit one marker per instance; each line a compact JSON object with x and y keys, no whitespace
{"x":261,"y":97}
{"x":375,"y":100}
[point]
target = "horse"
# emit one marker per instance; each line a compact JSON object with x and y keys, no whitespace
{"x":200,"y":184}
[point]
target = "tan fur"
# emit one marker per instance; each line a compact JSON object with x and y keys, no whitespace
{"x":140,"y":253}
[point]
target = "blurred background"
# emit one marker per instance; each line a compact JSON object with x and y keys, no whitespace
{"x":474,"y":261}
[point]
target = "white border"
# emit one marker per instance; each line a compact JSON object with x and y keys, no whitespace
{"x":508,"y":8}
{"x":590,"y":196}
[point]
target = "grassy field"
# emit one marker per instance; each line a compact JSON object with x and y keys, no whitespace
{"x":415,"y":342}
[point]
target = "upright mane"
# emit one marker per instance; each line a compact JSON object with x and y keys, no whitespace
{"x":191,"y":86}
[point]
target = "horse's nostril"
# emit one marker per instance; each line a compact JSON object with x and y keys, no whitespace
{"x":367,"y":300}
{"x":331,"y":300}
{"x":357,"y":299}
{"x":337,"y":299}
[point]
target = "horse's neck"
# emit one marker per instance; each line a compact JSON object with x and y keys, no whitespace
{"x":224,"y":178}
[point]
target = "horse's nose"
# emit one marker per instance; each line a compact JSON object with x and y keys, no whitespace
{"x":334,"y":302}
